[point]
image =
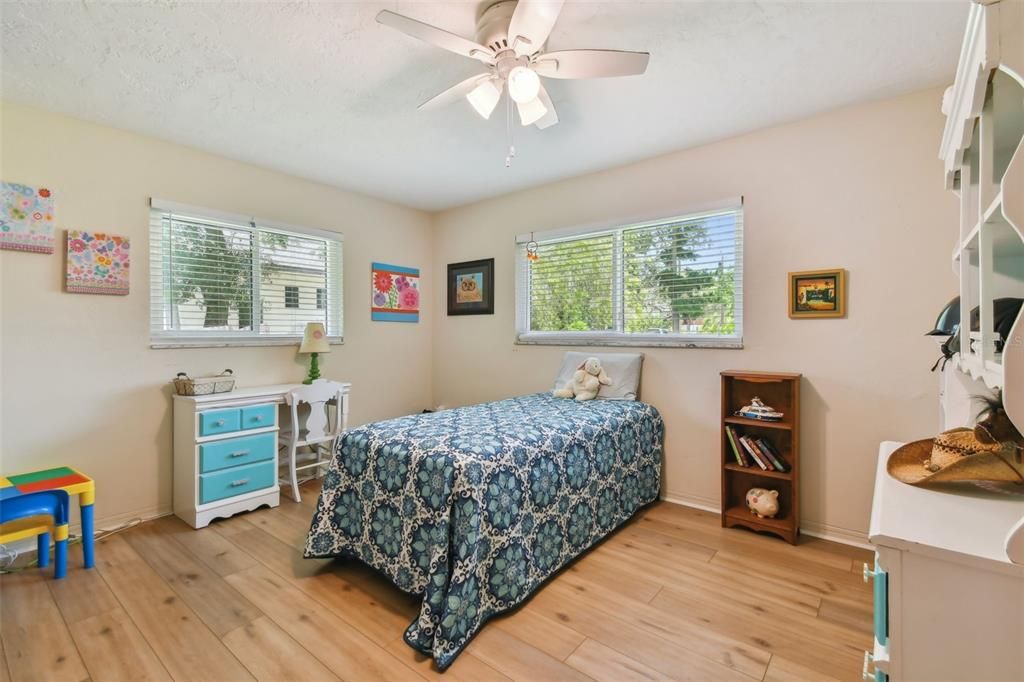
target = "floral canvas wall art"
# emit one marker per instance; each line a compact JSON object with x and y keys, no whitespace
{"x":395,"y":293}
{"x":98,"y":263}
{"x":26,"y":220}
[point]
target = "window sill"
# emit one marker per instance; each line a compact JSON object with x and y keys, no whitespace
{"x":645,"y":341}
{"x":161,"y":344}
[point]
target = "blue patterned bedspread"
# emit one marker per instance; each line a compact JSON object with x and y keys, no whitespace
{"x":473,"y":508}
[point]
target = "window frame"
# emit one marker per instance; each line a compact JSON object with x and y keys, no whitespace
{"x":160,"y":301}
{"x":525,"y":336}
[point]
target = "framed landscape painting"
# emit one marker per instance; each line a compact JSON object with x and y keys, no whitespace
{"x":817,"y":293}
{"x":471,"y":287}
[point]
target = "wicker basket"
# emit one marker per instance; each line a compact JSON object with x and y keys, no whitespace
{"x":220,"y":383}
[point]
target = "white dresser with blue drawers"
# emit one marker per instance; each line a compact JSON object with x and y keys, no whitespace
{"x":225,"y":453}
{"x":949,"y":603}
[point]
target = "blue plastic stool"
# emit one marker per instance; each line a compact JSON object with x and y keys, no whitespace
{"x":51,"y":503}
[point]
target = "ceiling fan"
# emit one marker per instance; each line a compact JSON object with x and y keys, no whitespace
{"x":510,"y":38}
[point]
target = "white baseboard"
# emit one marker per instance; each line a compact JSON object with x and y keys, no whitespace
{"x":707,"y":504}
{"x":824,"y":531}
{"x":106,"y":524}
{"x":843,"y":536}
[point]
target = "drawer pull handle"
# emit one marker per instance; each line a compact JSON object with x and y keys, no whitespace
{"x":239,"y":482}
{"x":258,"y":417}
{"x":868,"y":660}
{"x":219,"y":422}
{"x":240,"y":453}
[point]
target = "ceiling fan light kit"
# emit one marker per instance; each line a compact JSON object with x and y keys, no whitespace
{"x":510,"y":41}
{"x":485,"y":96}
{"x":531,"y":111}
{"x":523,"y":84}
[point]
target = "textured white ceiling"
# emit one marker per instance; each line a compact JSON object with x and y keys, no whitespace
{"x":321,"y":91}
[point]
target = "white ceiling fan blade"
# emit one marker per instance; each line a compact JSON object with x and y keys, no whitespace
{"x":551,"y":117}
{"x":457,"y":91}
{"x":532,"y":111}
{"x":436,"y":36}
{"x":591,"y":63}
{"x":531,"y":23}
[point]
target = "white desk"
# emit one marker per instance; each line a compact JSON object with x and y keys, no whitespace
{"x":225,"y":451}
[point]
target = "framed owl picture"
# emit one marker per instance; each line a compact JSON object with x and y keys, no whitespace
{"x":471,"y":287}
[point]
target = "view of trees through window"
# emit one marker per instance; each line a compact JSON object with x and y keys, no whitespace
{"x":213,"y":281}
{"x":672,"y":278}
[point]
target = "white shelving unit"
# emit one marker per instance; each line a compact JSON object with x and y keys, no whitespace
{"x":983,"y":151}
{"x":949,"y":597}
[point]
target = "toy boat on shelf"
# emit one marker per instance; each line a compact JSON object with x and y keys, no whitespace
{"x":759,"y":411}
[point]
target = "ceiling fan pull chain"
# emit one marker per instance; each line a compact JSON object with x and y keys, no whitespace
{"x":508,"y":133}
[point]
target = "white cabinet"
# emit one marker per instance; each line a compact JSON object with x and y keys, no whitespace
{"x":949,"y":602}
{"x":983,"y":153}
{"x":225,"y":453}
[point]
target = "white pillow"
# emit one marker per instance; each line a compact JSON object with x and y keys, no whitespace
{"x":622,"y":368}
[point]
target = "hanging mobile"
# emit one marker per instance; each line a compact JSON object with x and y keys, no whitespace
{"x":531,"y":250}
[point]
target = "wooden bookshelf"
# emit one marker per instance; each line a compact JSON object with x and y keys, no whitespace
{"x":780,"y":391}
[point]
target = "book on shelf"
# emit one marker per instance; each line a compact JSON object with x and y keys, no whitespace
{"x":732,"y":446}
{"x":737,"y":449}
{"x":746,"y":442}
{"x":773,"y":454}
{"x":756,"y":444}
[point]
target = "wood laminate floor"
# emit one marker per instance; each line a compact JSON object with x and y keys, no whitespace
{"x":671,"y":595}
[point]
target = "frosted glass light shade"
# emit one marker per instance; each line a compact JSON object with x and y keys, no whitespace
{"x":484,"y":97}
{"x":314,"y":340}
{"x":523,"y":84}
{"x":532,"y":111}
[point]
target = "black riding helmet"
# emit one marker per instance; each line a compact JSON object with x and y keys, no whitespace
{"x":949,"y":318}
{"x":1005,"y":312}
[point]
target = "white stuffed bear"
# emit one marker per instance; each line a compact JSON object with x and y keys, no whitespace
{"x":586,"y":381}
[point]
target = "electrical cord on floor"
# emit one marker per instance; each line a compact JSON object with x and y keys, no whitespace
{"x":9,"y":556}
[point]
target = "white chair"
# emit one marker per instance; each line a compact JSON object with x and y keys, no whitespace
{"x":315,"y":429}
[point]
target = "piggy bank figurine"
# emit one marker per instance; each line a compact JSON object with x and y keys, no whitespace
{"x":763,"y":503}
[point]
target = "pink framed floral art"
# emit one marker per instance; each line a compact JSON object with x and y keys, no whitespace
{"x":26,"y":218}
{"x":98,"y":263}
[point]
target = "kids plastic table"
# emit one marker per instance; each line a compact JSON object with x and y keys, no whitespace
{"x":59,"y":478}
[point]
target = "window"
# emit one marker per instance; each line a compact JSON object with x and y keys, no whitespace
{"x":219,"y":279}
{"x":291,"y":296}
{"x":671,"y":282}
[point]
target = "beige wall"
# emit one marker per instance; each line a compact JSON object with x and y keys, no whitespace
{"x":860,"y":188}
{"x":80,"y":384}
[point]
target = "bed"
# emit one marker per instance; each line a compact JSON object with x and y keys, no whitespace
{"x":473,"y":508}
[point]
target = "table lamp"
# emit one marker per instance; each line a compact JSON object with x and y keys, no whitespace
{"x":314,"y":342}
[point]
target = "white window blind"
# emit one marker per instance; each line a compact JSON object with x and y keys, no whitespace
{"x":222,"y":280}
{"x":675,"y":281}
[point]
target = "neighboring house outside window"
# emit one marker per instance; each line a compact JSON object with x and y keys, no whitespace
{"x":227,"y":280}
{"x":670,"y":282}
{"x":291,"y":297}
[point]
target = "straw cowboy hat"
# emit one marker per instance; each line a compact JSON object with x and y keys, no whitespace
{"x":957,"y":455}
